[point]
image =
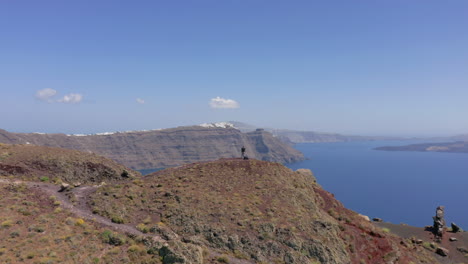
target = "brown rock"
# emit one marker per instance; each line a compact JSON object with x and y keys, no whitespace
{"x":455,"y":228}
{"x":442,"y":251}
{"x":64,"y":187}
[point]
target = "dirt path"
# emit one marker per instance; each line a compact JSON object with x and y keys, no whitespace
{"x":81,"y":209}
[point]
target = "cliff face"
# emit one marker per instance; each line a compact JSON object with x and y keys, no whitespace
{"x":169,"y":147}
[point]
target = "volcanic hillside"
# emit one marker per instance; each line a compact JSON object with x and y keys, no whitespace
{"x":252,"y":211}
{"x":37,"y":163}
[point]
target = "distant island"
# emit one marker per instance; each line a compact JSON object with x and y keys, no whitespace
{"x":455,"y":147}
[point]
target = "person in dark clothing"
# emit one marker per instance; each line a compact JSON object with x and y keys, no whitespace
{"x":243,"y":152}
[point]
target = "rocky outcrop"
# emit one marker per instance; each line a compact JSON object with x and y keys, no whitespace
{"x":439,"y":223}
{"x":168,"y":147}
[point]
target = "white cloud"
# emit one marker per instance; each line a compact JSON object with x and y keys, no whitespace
{"x":49,"y":95}
{"x":140,"y":101}
{"x":46,"y":94}
{"x":71,"y":98}
{"x":219,"y":102}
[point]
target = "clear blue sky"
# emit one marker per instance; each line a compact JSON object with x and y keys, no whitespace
{"x":356,"y":67}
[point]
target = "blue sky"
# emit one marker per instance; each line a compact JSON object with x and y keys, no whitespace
{"x":355,"y":67}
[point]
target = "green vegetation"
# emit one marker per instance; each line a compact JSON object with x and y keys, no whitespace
{"x":44,"y":179}
{"x":223,"y":259}
{"x":112,"y":238}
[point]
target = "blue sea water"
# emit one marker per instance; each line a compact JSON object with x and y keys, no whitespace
{"x":397,"y":186}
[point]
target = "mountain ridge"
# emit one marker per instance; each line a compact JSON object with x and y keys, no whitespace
{"x":166,"y":147}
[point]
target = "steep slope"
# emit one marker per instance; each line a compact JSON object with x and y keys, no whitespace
{"x":37,"y":163}
{"x":251,"y":210}
{"x":168,"y":147}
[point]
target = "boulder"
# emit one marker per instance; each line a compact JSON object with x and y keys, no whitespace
{"x":453,"y":239}
{"x":365,"y":217}
{"x":64,"y":187}
{"x":455,"y":228}
{"x":442,"y":251}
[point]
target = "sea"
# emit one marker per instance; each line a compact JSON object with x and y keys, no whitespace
{"x":401,"y":187}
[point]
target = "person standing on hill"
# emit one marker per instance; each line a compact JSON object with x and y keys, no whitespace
{"x":243,"y":152}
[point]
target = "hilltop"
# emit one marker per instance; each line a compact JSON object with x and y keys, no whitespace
{"x":256,"y":211}
{"x":166,"y":147}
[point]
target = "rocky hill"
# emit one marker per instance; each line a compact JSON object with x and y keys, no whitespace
{"x":168,"y":147}
{"x":250,"y":211}
{"x":47,"y":164}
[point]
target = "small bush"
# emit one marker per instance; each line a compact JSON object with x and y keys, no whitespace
{"x":125,"y":174}
{"x":147,"y":220}
{"x":143,"y":228}
{"x":79,"y":222}
{"x":117,"y":219}
{"x":222,"y":259}
{"x":30,"y":255}
{"x":44,"y":179}
{"x":386,"y":230}
{"x":111,"y":238}
{"x":7,"y":223}
{"x":136,"y":249}
{"x":14,"y":234}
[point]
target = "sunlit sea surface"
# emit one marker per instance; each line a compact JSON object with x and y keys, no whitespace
{"x":397,"y":186}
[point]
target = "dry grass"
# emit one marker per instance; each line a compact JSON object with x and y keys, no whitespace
{"x":47,"y":235}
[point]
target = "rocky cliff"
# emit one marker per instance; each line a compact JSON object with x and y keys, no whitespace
{"x":168,"y":147}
